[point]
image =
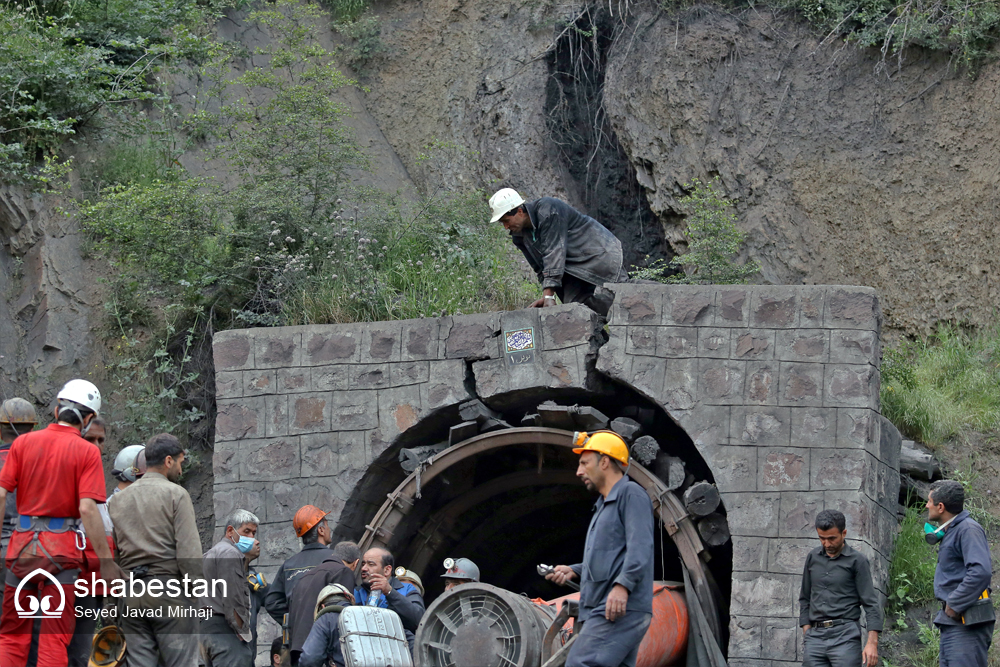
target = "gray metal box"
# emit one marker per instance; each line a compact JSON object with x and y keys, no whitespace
{"x":373,"y":637}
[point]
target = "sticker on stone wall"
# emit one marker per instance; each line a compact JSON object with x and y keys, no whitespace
{"x":520,"y":340}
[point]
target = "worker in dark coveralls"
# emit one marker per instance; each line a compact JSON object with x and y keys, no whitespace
{"x":836,"y":583}
{"x":571,"y":253}
{"x":964,"y":570}
{"x":616,"y":575}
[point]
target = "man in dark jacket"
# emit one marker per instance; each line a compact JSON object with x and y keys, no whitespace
{"x":963,"y":574}
{"x":310,"y":524}
{"x":571,"y":253}
{"x":338,"y":568}
{"x":322,"y":646}
{"x":379,"y":588}
{"x":616,"y":575}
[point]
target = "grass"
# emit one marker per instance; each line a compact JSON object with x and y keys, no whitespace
{"x":911,"y":572}
{"x":935,"y":388}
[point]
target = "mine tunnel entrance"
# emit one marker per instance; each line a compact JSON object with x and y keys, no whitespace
{"x":509,"y":499}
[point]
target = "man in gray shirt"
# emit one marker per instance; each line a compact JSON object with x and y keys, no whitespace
{"x":226,"y":634}
{"x":157,"y":538}
{"x":571,"y":253}
{"x":836,"y":583}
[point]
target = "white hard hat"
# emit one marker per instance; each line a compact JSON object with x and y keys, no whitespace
{"x":82,"y":392}
{"x":130,"y":464}
{"x":504,"y":200}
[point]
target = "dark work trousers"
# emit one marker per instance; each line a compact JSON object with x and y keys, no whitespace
{"x":78,"y":652}
{"x":839,"y":646}
{"x":965,"y":646}
{"x":574,"y":290}
{"x":605,"y":644}
{"x":221,"y":646}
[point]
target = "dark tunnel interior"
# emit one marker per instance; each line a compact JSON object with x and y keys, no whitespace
{"x":512,"y":508}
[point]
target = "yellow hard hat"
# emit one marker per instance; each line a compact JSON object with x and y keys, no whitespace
{"x":108,"y":648}
{"x":608,"y":443}
{"x":17,"y":411}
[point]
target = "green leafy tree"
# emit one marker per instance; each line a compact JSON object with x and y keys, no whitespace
{"x":714,"y":242}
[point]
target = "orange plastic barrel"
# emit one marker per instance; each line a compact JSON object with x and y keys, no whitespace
{"x":666,"y":639}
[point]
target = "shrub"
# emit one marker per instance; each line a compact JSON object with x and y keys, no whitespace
{"x":935,"y":388}
{"x":714,"y":242}
{"x":911,"y":571}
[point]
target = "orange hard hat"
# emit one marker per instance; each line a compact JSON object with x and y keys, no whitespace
{"x":307,"y":517}
{"x":608,"y":443}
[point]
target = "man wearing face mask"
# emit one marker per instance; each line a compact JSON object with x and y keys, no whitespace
{"x":961,"y":579}
{"x":226,"y":635}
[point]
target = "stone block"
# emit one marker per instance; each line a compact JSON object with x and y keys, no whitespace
{"x":764,"y":426}
{"x":855,"y":346}
{"x":368,"y":376}
{"x":807,"y":345}
{"x":838,"y":469}
{"x":762,"y":383}
{"x":748,"y":662}
{"x":232,"y":350}
{"x":733,"y":307}
{"x":856,"y":508}
{"x":567,"y":326}
{"x":798,"y":513}
{"x":492,"y":378}
{"x":334,"y":377}
{"x":812,"y":306}
{"x":611,"y":357}
{"x":641,"y":340}
{"x":801,"y":384}
{"x":689,"y":305}
{"x":706,"y":425}
{"x":774,"y":307}
{"x":752,"y":514}
{"x":228,"y":384}
{"x":858,"y":429}
{"x":744,"y":636}
{"x":332,"y":345}
{"x":677,"y":341}
{"x":286,"y":497}
{"x":753,"y":345}
{"x":275,"y":415}
{"x":309,"y":413}
{"x":259,"y":382}
{"x":231,"y":497}
{"x":278,"y":542}
{"x":890,"y":442}
{"x":636,"y":304}
{"x":472,"y":337}
{"x":294,"y":380}
{"x":277,"y":348}
{"x":764,"y":594}
{"x":628,"y":429}
{"x":814,"y":427}
{"x":445,"y":385}
{"x":381,"y":342}
{"x":352,"y":410}
{"x":239,"y":418}
{"x":851,"y":386}
{"x":734,"y":468}
{"x":398,"y":410}
{"x":419,"y":339}
{"x":647,"y":376}
{"x":409,"y":372}
{"x":783,"y":469}
{"x":852,"y":308}
{"x":788,"y":555}
{"x":780,"y":638}
{"x":270,"y":459}
{"x":226,"y":462}
{"x":750,"y":553}
{"x":713,"y":342}
{"x":354,"y":450}
{"x":680,"y":384}
{"x":330,"y":454}
{"x":720,"y":382}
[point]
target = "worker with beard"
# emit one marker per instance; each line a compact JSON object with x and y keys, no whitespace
{"x":616,"y":575}
{"x":379,"y":588}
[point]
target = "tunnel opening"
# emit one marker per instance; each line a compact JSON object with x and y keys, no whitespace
{"x":512,"y":508}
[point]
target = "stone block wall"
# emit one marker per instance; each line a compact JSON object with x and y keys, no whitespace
{"x":777,"y":387}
